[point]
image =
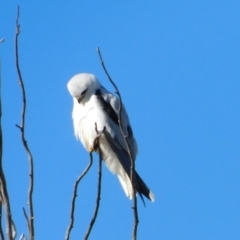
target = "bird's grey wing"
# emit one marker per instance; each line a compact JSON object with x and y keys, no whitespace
{"x":112,"y":105}
{"x":123,"y":157}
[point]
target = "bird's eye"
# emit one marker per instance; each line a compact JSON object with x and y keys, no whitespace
{"x":83,"y":92}
{"x":82,"y":95}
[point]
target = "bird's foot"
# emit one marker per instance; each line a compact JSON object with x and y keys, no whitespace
{"x":99,"y":134}
{"x":91,"y":149}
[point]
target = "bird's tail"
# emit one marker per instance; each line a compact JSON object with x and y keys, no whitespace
{"x":142,"y":188}
{"x":118,"y":162}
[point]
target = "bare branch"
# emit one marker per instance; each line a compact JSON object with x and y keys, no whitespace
{"x":22,"y":128}
{"x":97,"y":199}
{"x":22,"y":237}
{"x":18,"y":127}
{"x":26,"y":217}
{"x":99,"y":183}
{"x":1,"y":145}
{"x":135,"y":212}
{"x":4,"y":198}
{"x":1,"y":229}
{"x":74,"y":197}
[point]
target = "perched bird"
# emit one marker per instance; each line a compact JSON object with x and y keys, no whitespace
{"x":94,"y":106}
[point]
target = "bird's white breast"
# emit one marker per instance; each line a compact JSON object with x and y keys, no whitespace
{"x":84,"y":117}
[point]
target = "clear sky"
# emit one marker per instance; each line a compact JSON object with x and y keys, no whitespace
{"x":176,"y":64}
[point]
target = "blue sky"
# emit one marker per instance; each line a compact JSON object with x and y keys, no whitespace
{"x":176,"y":64}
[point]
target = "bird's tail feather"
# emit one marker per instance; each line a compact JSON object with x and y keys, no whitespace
{"x":142,"y":188}
{"x":111,"y":152}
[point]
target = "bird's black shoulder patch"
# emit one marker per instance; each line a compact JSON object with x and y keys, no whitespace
{"x":130,"y":132}
{"x":107,"y":107}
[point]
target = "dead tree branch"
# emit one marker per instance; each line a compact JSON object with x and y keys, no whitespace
{"x":4,"y":198}
{"x":96,"y":143}
{"x":1,"y":229}
{"x":75,"y":195}
{"x":22,"y":237}
{"x":98,"y":198}
{"x":22,"y":131}
{"x":135,"y":211}
{"x":26,"y":217}
{"x":1,"y":145}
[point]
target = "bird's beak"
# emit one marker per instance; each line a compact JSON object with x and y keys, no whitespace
{"x":80,"y":99}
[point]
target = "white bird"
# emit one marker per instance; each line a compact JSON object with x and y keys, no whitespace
{"x":92,"y":103}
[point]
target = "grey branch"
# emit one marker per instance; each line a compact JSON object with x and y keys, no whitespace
{"x":74,"y":197}
{"x":26,"y":217}
{"x":22,"y":237}
{"x":4,"y":198}
{"x":22,"y":131}
{"x":1,"y":229}
{"x":135,"y":211}
{"x":96,"y":144}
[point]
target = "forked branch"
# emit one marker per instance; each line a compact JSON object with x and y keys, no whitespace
{"x":4,"y":198}
{"x":74,"y":197}
{"x":96,"y":144}
{"x":22,"y":132}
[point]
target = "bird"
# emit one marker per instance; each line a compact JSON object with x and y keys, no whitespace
{"x":95,"y":107}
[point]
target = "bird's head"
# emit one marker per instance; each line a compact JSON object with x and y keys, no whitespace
{"x":82,"y":86}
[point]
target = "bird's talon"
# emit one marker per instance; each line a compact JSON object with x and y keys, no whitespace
{"x":91,"y":149}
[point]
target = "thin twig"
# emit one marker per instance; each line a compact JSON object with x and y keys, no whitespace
{"x":98,"y":195}
{"x":135,"y":212}
{"x":22,"y":237}
{"x":1,"y":229}
{"x":22,"y":130}
{"x":11,"y":231}
{"x":1,"y":145}
{"x":26,"y":217}
{"x":74,"y":197}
